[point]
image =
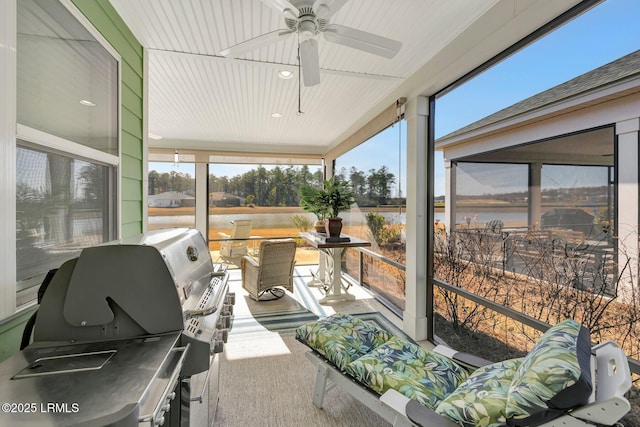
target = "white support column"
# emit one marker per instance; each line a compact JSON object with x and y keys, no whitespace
{"x":415,"y":312}
{"x":202,"y":199}
{"x":535,"y":193}
{"x":450,"y":213}
{"x":628,"y":133}
{"x":329,"y":168}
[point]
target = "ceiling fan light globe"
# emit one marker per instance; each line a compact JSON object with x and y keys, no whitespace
{"x":307,"y":29}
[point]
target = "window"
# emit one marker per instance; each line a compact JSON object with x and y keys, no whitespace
{"x":67,"y":80}
{"x":576,"y":202}
{"x":267,"y":195}
{"x":376,"y":170}
{"x":67,"y":141}
{"x":488,"y":192}
{"x":172,"y":195}
{"x":61,"y":207}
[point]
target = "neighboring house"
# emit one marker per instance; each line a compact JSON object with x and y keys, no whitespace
{"x":221,"y":199}
{"x":171,"y":199}
{"x":592,"y":120}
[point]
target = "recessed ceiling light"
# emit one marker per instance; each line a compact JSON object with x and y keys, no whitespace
{"x":276,"y":115}
{"x":285,"y":74}
{"x":87,"y":103}
{"x":154,"y":136}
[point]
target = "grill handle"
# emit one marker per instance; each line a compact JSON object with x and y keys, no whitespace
{"x":164,"y":403}
{"x":188,"y":314}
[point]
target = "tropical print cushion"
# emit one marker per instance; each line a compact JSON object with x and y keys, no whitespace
{"x":482,"y":398}
{"x":342,"y":338}
{"x":555,"y":374}
{"x":409,"y":369}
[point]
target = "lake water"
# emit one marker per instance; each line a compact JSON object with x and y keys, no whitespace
{"x":259,"y":220}
{"x":509,"y":217}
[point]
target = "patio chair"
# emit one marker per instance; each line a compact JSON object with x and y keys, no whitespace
{"x":554,"y":385}
{"x":233,"y":248}
{"x":265,"y":278}
{"x":494,"y":226}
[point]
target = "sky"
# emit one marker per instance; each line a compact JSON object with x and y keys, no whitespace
{"x":601,"y":35}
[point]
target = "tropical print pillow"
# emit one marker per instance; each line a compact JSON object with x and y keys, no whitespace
{"x":409,"y":369}
{"x":342,"y":338}
{"x":482,"y":398}
{"x":555,"y":374}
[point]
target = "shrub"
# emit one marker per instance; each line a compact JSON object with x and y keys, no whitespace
{"x":301,"y":222}
{"x":375,"y":221}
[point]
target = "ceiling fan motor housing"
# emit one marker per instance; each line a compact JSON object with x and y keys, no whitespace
{"x":308,"y":24}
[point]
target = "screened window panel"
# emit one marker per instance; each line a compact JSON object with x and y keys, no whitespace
{"x":171,"y":199}
{"x":67,"y":81}
{"x":62,"y":206}
{"x":576,"y":201}
{"x":492,"y":192}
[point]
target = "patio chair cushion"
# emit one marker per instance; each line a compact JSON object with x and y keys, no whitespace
{"x":553,"y":377}
{"x":342,"y":338}
{"x":406,"y":367}
{"x":481,"y":399}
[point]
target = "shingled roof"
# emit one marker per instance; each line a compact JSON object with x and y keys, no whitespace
{"x":619,"y":69}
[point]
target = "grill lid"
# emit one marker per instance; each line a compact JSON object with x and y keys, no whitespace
{"x":135,"y":278}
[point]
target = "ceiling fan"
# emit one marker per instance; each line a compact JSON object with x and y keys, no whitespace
{"x":308,"y":18}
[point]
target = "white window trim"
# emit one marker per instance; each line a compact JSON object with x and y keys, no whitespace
{"x":8,"y":79}
{"x":64,"y":146}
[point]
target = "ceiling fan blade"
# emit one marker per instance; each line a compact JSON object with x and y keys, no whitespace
{"x":325,"y":9}
{"x":362,"y":40}
{"x":310,"y":62}
{"x":254,"y":43}
{"x":283,"y":6}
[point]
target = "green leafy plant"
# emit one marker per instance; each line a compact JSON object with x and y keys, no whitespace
{"x":314,"y":200}
{"x":338,"y":197}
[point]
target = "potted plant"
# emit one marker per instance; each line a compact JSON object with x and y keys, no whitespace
{"x":314,"y":200}
{"x":339,"y":197}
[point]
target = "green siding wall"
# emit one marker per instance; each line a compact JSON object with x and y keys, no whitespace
{"x":11,"y":334}
{"x":110,"y":25}
{"x":106,"y":20}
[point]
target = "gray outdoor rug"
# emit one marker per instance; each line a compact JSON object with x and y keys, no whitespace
{"x":275,"y":321}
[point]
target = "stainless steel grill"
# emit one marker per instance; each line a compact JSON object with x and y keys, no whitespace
{"x":126,"y":334}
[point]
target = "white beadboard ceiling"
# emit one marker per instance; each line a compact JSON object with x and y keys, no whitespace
{"x":201,"y":100}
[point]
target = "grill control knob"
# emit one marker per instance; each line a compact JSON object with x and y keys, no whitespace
{"x":230,"y":298}
{"x":224,"y":322}
{"x":217,"y":347}
{"x":171,"y":395}
{"x":159,"y":421}
{"x":228,"y":308}
{"x":223,"y":335}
